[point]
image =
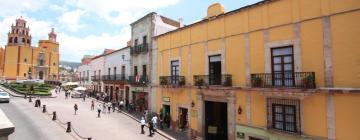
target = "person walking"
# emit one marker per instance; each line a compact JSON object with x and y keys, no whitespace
{"x":75,"y":108}
{"x":142,"y":121}
{"x":92,"y":105}
{"x":154,"y":120}
{"x":104,"y":107}
{"x":113,"y":106}
{"x":151,"y":128}
{"x":121,"y":104}
{"x":109,"y":106}
{"x":66,"y":94}
{"x":99,"y":110}
{"x":84,"y":96}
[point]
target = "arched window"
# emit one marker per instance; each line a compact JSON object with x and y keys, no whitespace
{"x":15,"y":41}
{"x":25,"y":60}
{"x":10,"y":39}
{"x":23,"y":40}
{"x":28,"y":41}
{"x":17,"y":30}
{"x":27,"y":32}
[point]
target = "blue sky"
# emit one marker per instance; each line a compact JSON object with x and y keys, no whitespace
{"x":90,"y":26}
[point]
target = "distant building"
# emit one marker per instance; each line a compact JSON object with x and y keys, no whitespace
{"x":19,"y":60}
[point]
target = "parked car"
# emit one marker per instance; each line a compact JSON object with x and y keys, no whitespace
{"x":4,"y":97}
{"x":76,"y":94}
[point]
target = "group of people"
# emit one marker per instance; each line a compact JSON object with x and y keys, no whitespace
{"x":152,"y":125}
{"x":57,"y":89}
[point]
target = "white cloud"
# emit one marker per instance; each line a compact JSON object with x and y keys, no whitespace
{"x":70,"y":20}
{"x":38,"y":29}
{"x":11,"y":7}
{"x":73,"y":48}
{"x":120,"y":12}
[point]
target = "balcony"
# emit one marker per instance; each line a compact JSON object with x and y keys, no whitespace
{"x":304,"y":80}
{"x":212,"y":80}
{"x":95,"y":78}
{"x":174,"y":81}
{"x":141,"y":81}
{"x":139,"y":49}
{"x":114,"y":78}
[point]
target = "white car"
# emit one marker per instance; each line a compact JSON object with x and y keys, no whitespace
{"x":4,"y":97}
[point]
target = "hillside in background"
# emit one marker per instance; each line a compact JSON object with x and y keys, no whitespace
{"x":73,"y":65}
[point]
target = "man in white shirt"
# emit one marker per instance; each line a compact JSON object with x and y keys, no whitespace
{"x":154,"y":120}
{"x":142,"y":121}
{"x":99,"y":110}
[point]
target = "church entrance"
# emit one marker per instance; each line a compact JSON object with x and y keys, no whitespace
{"x":41,"y":75}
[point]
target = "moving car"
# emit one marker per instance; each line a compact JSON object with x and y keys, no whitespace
{"x":4,"y":97}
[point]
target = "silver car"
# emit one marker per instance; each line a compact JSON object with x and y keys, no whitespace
{"x":4,"y":97}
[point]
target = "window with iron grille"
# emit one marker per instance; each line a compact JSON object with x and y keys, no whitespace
{"x":175,"y":71}
{"x":284,"y":114}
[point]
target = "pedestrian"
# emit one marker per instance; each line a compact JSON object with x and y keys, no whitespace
{"x":151,"y":127}
{"x":109,"y":106}
{"x":167,"y":120}
{"x":99,"y":110}
{"x":75,"y":108}
{"x":39,"y":102}
{"x":67,"y":94}
{"x":113,"y":106}
{"x":154,"y":120}
{"x":142,"y":121}
{"x":146,"y":115}
{"x":92,"y":105}
{"x":121,"y":104}
{"x":104,"y":107}
{"x":84,"y":96}
{"x":161,"y":119}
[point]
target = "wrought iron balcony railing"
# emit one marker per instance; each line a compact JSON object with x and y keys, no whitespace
{"x":116,"y":77}
{"x":140,"y":80}
{"x":304,"y":80}
{"x":172,"y":80}
{"x":139,"y":49}
{"x":95,"y":78}
{"x":221,"y":80}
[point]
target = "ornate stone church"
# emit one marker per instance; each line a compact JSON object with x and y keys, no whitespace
{"x":20,"y":61}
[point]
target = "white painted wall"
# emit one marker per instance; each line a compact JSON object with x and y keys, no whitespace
{"x":115,"y":60}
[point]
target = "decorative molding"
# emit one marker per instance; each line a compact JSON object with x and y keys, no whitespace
{"x":330,"y":117}
{"x":247,"y":61}
{"x":248,"y":108}
{"x":327,"y":52}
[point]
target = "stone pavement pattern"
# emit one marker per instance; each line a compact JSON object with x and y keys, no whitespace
{"x":30,"y":123}
{"x":107,"y":127}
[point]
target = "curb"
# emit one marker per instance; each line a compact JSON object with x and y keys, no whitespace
{"x":132,"y":117}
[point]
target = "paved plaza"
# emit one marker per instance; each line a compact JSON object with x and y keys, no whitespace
{"x":108,"y":127}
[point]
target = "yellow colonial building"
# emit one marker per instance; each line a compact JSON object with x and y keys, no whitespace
{"x":20,"y":61}
{"x":274,"y":70}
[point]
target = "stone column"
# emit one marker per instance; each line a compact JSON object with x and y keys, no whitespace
{"x":201,"y":116}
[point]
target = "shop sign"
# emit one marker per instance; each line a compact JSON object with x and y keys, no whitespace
{"x":212,"y":129}
{"x":194,"y":113}
{"x":166,"y":99}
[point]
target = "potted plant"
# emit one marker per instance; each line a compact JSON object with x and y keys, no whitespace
{"x":199,"y":82}
{"x":182,"y":81}
{"x":309,"y":81}
{"x":228,"y":81}
{"x":257,"y":81}
{"x":163,"y":81}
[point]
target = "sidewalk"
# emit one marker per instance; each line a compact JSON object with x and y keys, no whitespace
{"x":171,"y":134}
{"x":108,"y":126}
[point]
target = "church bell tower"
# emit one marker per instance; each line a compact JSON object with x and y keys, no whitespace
{"x":19,"y":34}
